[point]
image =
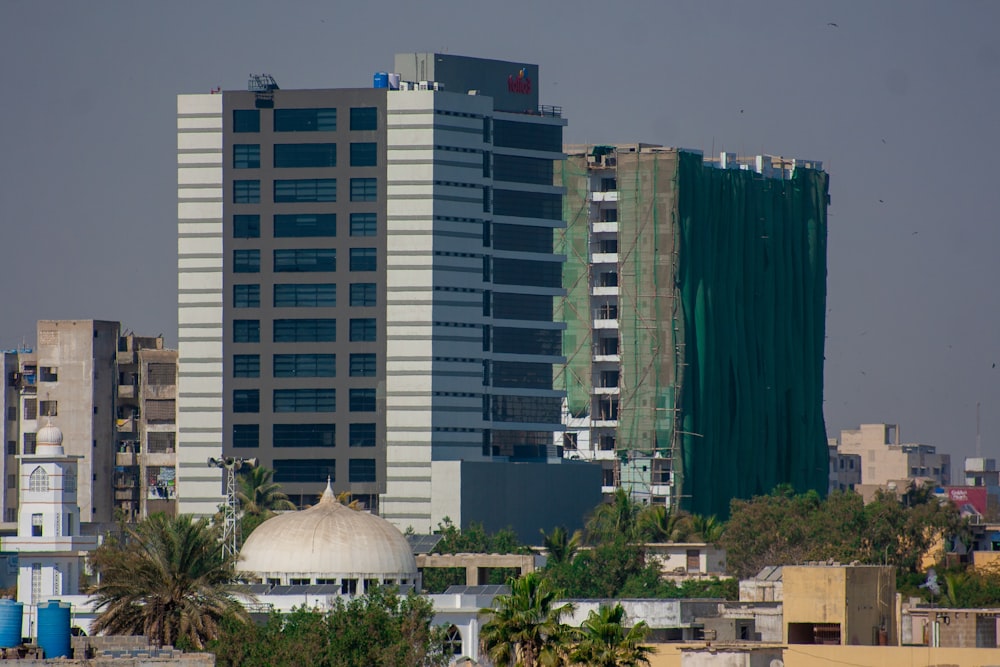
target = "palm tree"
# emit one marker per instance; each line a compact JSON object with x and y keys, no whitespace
{"x":259,"y":495}
{"x":656,"y":523}
{"x":707,"y":529}
{"x":346,"y":498}
{"x":560,"y":545}
{"x":605,"y":642}
{"x":614,"y":520}
{"x":166,"y":579}
{"x":525,"y":627}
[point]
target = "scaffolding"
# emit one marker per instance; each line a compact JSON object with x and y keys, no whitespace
{"x":721,"y":292}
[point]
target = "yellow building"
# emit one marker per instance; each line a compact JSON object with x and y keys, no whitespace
{"x":840,"y":604}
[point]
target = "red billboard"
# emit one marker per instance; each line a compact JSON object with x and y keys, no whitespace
{"x":968,"y":499}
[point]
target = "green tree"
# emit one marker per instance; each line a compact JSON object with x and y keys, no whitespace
{"x":473,"y":539}
{"x":657,"y":523}
{"x":166,"y":579}
{"x":379,"y":629}
{"x":706,"y":529}
{"x":525,"y":628}
{"x":619,"y":518}
{"x":560,"y":546}
{"x":604,"y":641}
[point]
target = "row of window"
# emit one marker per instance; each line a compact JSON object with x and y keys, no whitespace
{"x":304,"y":365}
{"x":305,"y":295}
{"x":311,"y":330}
{"x":305,"y":120}
{"x":303,"y":400}
{"x":304,"y":435}
{"x":305,"y":260}
{"x":247,"y":156}
{"x":288,"y":471}
{"x":247,"y":191}
{"x":303,"y":225}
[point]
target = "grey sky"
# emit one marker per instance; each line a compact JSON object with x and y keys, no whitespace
{"x":900,"y":100}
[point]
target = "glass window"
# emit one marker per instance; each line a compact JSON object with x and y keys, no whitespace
{"x":536,"y":307}
{"x":364,"y":154}
{"x":361,"y":470}
{"x":246,"y":331}
{"x":305,"y":295}
{"x":246,"y":296}
{"x":305,"y":400}
{"x":246,"y":156}
{"x":364,"y":118}
{"x":522,"y":238}
{"x":362,"y":435}
{"x":305,"y":365}
{"x":531,"y":136}
{"x":305,"y":260}
{"x":364,"y":189}
{"x":304,"y":435}
{"x":363,"y":224}
{"x":246,"y":365}
{"x":304,"y":470}
{"x":305,"y":225}
{"x":537,"y":171}
{"x":246,"y":226}
{"x":38,"y":480}
{"x":246,"y":192}
{"x":522,"y":374}
{"x":246,"y":120}
{"x":526,"y":409}
{"x":362,"y":400}
{"x":526,"y":272}
{"x":305,"y":155}
{"x":510,"y":340}
{"x":363,"y":329}
{"x":305,"y":190}
{"x":362,"y":365}
{"x":305,"y":120}
{"x":246,"y":435}
{"x":246,"y":261}
{"x":527,"y":204}
{"x":363,"y":294}
{"x":363,"y":259}
{"x":246,"y":400}
{"x":305,"y":331}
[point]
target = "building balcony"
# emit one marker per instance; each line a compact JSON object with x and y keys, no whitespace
{"x":127,"y":494}
{"x":599,"y":227}
{"x":610,"y":358}
{"x":125,"y":425}
{"x":604,"y":423}
{"x":600,"y":290}
{"x":127,"y":391}
{"x":125,"y":458}
{"x":605,"y":324}
{"x":604,"y":258}
{"x":610,"y":195}
{"x":607,"y":391}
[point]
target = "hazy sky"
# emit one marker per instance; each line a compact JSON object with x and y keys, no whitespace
{"x":901,"y":101}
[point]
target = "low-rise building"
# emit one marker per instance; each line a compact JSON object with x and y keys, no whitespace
{"x":885,"y":459}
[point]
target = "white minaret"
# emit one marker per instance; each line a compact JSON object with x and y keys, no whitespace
{"x":49,"y":545}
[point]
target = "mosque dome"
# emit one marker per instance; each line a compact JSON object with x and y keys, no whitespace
{"x":48,"y":440}
{"x":328,"y":543}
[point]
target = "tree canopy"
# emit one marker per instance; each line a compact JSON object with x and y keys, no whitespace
{"x":166,"y":579}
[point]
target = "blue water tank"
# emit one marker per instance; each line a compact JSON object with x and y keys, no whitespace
{"x":11,"y":614}
{"x":380,"y":80}
{"x":53,"y":629}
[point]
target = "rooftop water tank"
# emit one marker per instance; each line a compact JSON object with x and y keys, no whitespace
{"x":11,"y":614}
{"x":380,"y":80}
{"x":53,"y":629}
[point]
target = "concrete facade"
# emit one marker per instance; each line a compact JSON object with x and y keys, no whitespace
{"x":885,"y":459}
{"x":841,"y":604}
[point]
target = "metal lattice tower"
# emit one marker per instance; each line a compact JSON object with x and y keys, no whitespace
{"x":230,"y":511}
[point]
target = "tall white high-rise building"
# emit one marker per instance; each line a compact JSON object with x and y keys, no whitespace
{"x":366,"y":284}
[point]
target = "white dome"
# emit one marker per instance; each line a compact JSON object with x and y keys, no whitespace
{"x":48,"y":440}
{"x":328,"y":540}
{"x":50,"y":434}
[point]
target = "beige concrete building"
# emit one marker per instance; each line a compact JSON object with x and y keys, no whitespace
{"x":76,"y":383}
{"x":840,"y":604}
{"x":885,"y":459}
{"x":146,"y":426}
{"x":19,"y":406}
{"x":845,"y":469}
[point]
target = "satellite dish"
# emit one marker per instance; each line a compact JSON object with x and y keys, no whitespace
{"x":777,"y":662}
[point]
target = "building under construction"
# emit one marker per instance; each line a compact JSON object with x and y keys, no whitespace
{"x":695,"y":321}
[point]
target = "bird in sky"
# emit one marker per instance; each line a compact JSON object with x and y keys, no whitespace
{"x":833,"y":25}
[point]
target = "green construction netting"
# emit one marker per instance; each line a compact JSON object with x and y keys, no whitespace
{"x":752,"y":281}
{"x":574,"y":308}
